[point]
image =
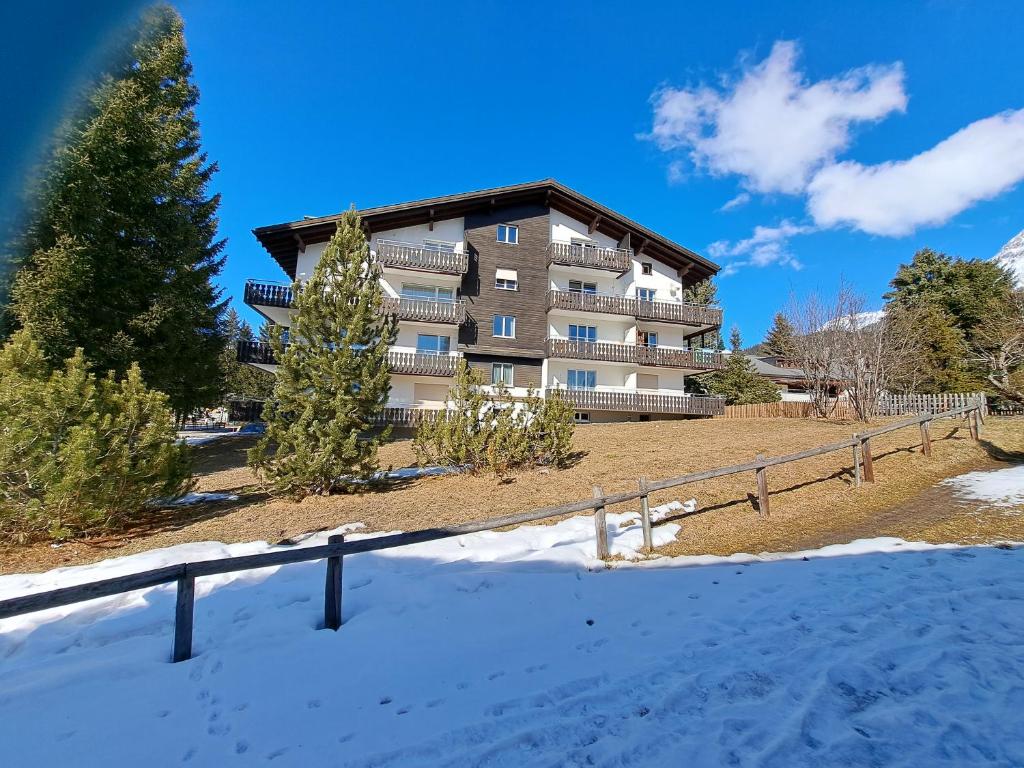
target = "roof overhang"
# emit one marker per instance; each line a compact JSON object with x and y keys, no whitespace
{"x":286,"y":241}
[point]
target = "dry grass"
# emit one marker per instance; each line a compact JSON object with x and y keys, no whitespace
{"x":812,"y":502}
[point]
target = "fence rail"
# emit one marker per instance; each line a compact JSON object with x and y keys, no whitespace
{"x":889,"y":405}
{"x":185,"y":574}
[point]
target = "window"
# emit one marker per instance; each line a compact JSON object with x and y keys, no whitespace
{"x":439,"y":245}
{"x":581,"y":379}
{"x":501,"y":373}
{"x":430,"y":344}
{"x":576,"y":286}
{"x":506,"y":280}
{"x":645,"y":294}
{"x":646,"y":381}
{"x":508,"y":233}
{"x":504,"y":326}
{"x":583,"y":332}
{"x":581,"y":418}
{"x":427,"y":293}
{"x":647,"y":338}
{"x":646,"y":268}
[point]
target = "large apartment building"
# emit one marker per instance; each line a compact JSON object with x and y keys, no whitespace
{"x":533,"y":284}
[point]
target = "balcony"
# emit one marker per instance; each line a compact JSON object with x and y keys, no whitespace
{"x":630,"y":306}
{"x":409,"y":363}
{"x":574,"y":255}
{"x":420,"y":257}
{"x":632,"y":401}
{"x":426,"y":310}
{"x":259,"y":294}
{"x":608,"y":352}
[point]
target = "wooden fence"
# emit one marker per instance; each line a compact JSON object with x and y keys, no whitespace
{"x":888,"y":405}
{"x":185,"y":574}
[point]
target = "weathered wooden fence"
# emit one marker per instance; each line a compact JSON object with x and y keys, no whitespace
{"x":185,"y":574}
{"x":889,"y":405}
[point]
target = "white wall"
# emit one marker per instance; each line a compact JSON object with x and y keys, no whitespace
{"x":608,"y":376}
{"x":308,"y":260}
{"x":449,"y":230}
{"x":403,"y":390}
{"x":607,"y":330}
{"x":565,"y":228}
{"x":605,"y":281}
{"x":407,"y":332}
{"x":664,"y":280}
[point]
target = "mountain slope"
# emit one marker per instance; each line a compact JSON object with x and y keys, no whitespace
{"x":1011,"y":255}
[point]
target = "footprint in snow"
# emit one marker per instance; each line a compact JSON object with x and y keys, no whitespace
{"x":385,"y":700}
{"x":360,"y":583}
{"x":495,"y":675}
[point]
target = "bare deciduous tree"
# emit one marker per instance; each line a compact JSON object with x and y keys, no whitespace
{"x":818,"y":325}
{"x":998,"y":345}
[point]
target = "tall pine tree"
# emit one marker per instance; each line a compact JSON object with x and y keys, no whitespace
{"x":781,"y":338}
{"x":333,"y":378}
{"x":120,"y":254}
{"x":739,"y":383}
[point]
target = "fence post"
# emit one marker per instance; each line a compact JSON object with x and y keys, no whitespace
{"x":972,"y":422}
{"x":762,"y":488}
{"x":184,"y":611}
{"x":926,"y":437}
{"x":856,"y":460}
{"x":332,"y":589}
{"x":600,"y":526}
{"x":645,"y":516}
{"x":869,"y":464}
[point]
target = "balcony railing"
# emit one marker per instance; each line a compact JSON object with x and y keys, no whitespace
{"x":631,"y":306}
{"x":608,"y":352}
{"x":575,"y":255}
{"x":426,"y":310}
{"x":422,"y":364}
{"x":392,"y":253}
{"x":259,"y":294}
{"x":642,"y":402}
{"x":410,"y":363}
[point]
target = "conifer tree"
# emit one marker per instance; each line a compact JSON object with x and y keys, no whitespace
{"x":781,"y":338}
{"x":705,"y":294}
{"x":333,"y":378}
{"x":739,"y":383}
{"x":119,"y":253}
{"x":240,"y":380}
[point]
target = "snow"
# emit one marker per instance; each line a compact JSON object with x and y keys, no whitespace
{"x":999,"y":488}
{"x":520,"y":649}
{"x":197,"y":497}
{"x":1011,"y":256}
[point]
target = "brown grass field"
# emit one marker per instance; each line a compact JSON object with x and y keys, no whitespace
{"x":813,"y":502}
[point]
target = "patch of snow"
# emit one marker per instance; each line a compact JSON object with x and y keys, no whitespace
{"x":997,"y":488}
{"x":662,"y":511}
{"x":519,"y":649}
{"x":1011,"y":256}
{"x":196,"y":497}
{"x":857,"y":320}
{"x":201,"y":437}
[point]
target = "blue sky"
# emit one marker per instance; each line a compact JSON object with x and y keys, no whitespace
{"x":804,"y":113}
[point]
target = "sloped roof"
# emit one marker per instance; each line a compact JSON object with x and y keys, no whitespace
{"x":285,"y":241}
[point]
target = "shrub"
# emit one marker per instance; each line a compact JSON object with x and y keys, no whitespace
{"x":79,"y":453}
{"x":494,"y":432}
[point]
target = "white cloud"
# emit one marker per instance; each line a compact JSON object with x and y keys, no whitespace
{"x":768,"y":245}
{"x":741,"y":199}
{"x":894,"y":198}
{"x":772,"y":126}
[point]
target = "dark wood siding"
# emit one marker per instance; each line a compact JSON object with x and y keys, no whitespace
{"x":525,"y":373}
{"x":528,"y":258}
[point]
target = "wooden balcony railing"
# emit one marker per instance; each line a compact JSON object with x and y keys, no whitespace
{"x":420,"y":364}
{"x":402,"y":416}
{"x":659,"y":311}
{"x":608,"y":352}
{"x":259,"y":294}
{"x":574,"y":255}
{"x":426,"y":310}
{"x":410,"y":363}
{"x":642,"y":402}
{"x":391,"y":253}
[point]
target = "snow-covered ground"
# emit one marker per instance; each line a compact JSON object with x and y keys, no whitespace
{"x":999,"y":488}
{"x":519,"y":649}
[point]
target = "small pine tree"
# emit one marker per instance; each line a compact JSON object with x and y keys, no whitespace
{"x":333,"y":378}
{"x":781,"y":338}
{"x":80,"y":454}
{"x":460,"y":436}
{"x":739,"y":383}
{"x":241,"y":381}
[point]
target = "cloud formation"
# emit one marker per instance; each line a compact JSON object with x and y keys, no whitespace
{"x":772,"y":127}
{"x":780,"y":132}
{"x":976,"y":163}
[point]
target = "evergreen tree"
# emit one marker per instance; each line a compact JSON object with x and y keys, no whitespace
{"x":241,"y":381}
{"x":121,"y":249}
{"x":705,"y":294}
{"x":781,"y":338}
{"x":333,"y":378}
{"x":79,"y":453}
{"x":739,"y":383}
